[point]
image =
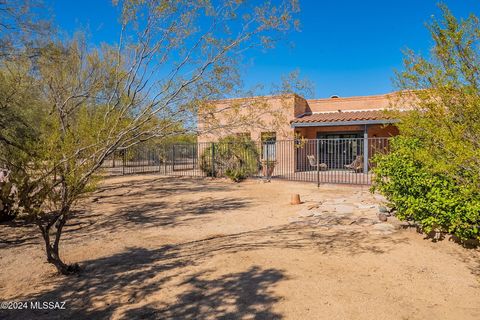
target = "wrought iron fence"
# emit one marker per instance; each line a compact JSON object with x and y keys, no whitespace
{"x":342,"y":160}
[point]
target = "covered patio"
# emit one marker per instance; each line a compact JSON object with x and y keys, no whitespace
{"x":338,"y":139}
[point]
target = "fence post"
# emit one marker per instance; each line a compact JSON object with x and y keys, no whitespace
{"x":268,"y":158}
{"x":365,"y":152}
{"x":318,"y":163}
{"x":124,"y":160}
{"x":213,"y":158}
{"x":165,"y":159}
{"x":173,"y":157}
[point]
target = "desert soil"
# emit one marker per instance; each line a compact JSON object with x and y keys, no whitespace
{"x":175,"y":248}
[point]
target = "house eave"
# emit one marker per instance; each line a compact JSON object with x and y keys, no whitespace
{"x":341,"y":123}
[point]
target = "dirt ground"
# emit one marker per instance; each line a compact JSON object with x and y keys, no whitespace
{"x":161,"y":248}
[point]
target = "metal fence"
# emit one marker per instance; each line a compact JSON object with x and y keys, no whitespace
{"x":337,"y":161}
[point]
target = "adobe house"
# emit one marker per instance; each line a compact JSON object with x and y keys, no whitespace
{"x":283,"y":121}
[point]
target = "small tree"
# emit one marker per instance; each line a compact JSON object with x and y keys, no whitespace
{"x":236,"y":157}
{"x":171,"y":56}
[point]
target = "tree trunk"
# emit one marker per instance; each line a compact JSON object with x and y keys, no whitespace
{"x":52,"y":250}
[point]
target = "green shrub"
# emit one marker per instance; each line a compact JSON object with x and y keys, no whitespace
{"x":234,"y":157}
{"x":432,"y":199}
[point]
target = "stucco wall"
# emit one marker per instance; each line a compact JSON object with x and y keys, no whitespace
{"x":271,"y":114}
{"x":350,"y":103}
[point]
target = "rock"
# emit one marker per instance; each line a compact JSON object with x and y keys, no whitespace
{"x":312,"y":206}
{"x":340,"y":215}
{"x":364,"y":221}
{"x":379,"y":197}
{"x":384,"y":228}
{"x":382,"y":217}
{"x":293,"y":219}
{"x":383,"y":209}
{"x":305,"y":213}
{"x":365,"y":206}
{"x":407,"y":224}
{"x":328,"y":208}
{"x":346,"y":209}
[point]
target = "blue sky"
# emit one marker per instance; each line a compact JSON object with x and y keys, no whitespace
{"x":345,"y":47}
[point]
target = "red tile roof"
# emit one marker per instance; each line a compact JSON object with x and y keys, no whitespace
{"x":344,"y":116}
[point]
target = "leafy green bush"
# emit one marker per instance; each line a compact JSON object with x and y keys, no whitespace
{"x":418,"y":193}
{"x":234,"y":157}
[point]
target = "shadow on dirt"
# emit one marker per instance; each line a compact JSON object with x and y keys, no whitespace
{"x":119,"y":284}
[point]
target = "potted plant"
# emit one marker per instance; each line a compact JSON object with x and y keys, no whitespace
{"x":267,"y":167}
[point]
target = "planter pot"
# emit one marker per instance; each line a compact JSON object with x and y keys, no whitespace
{"x":267,"y":168}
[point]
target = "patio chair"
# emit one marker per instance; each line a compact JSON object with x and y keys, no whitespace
{"x":356,"y":165}
{"x":313,"y":163}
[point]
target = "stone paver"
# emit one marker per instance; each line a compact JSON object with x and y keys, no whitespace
{"x":358,"y":211}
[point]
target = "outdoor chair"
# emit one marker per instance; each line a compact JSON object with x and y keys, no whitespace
{"x":313,"y":163}
{"x":356,"y":165}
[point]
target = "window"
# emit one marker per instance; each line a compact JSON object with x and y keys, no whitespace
{"x":244,"y":135}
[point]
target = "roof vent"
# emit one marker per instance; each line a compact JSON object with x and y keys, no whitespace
{"x":334,"y":97}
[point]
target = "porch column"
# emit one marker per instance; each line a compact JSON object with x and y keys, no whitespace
{"x":365,"y":149}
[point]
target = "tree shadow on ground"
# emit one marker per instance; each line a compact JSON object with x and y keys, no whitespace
{"x":165,"y":214}
{"x":120,"y":283}
{"x":148,"y":203}
{"x":162,"y":186}
{"x":18,"y":232}
{"x":242,"y":295}
{"x":134,"y":204}
{"x":150,"y":215}
{"x":105,"y":284}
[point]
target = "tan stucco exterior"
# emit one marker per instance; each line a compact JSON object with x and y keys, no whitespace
{"x":277,"y":112}
{"x":254,"y":116}
{"x":251,"y":115}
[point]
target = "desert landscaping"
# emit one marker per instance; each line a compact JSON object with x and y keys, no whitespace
{"x":154,"y":247}
{"x":237,"y":160}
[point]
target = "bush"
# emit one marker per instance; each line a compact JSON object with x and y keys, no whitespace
{"x":432,"y":199}
{"x":234,"y":157}
{"x":8,"y":202}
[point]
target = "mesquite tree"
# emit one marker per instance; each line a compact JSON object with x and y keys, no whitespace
{"x":89,"y":102}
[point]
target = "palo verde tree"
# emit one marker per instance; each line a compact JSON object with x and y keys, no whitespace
{"x":92,"y":101}
{"x":21,"y":34}
{"x":432,"y":175}
{"x":21,"y":27}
